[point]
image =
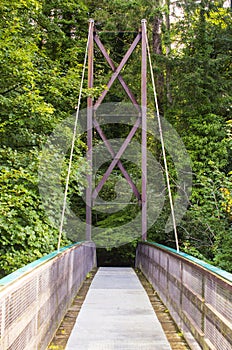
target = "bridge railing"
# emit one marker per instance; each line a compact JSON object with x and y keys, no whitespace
{"x":35,"y":298}
{"x":197,"y":295}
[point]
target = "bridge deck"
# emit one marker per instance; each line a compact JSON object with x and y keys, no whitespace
{"x":117,"y":314}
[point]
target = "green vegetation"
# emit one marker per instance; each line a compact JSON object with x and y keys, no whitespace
{"x":42,"y":47}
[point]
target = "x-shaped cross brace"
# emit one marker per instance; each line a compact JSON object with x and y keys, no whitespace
{"x":141,"y":119}
{"x":119,"y":164}
{"x":116,"y":157}
{"x":117,"y":71}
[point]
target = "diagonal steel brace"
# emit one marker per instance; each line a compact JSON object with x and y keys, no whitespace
{"x":113,"y":67}
{"x":116,"y":159}
{"x":120,"y":165}
{"x":118,"y":70}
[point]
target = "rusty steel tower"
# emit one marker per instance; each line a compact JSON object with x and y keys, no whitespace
{"x":141,"y":122}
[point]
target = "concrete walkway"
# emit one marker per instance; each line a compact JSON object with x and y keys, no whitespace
{"x":117,"y":314}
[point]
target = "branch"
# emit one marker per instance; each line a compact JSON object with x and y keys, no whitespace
{"x":9,"y":90}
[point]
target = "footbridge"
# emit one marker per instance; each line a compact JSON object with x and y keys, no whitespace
{"x":117,"y":313}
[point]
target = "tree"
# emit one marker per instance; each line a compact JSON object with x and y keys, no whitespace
{"x":200,"y":109}
{"x":42,"y":50}
{"x":41,"y":65}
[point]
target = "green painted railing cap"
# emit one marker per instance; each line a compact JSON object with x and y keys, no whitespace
{"x":202,"y":263}
{"x":29,"y":267}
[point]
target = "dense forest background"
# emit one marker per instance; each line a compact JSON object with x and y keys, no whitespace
{"x":42,"y":48}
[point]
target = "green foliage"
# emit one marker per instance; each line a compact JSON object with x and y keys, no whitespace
{"x":122,"y":256}
{"x":223,"y":238}
{"x":222,"y":249}
{"x":42,"y":47}
{"x":194,"y":85}
{"x":201,"y":105}
{"x":40,"y":67}
{"x":41,"y":53}
{"x":26,"y":234}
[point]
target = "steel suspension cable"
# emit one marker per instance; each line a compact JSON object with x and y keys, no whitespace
{"x":163,"y":147}
{"x":73,"y":141}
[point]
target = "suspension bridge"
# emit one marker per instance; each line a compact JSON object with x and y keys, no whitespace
{"x":117,"y":313}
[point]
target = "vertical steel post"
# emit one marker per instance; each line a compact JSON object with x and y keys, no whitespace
{"x":144,"y":130}
{"x":89,"y":133}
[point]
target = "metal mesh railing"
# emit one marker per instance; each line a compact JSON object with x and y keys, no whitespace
{"x":198,"y":295}
{"x":34,"y":299}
